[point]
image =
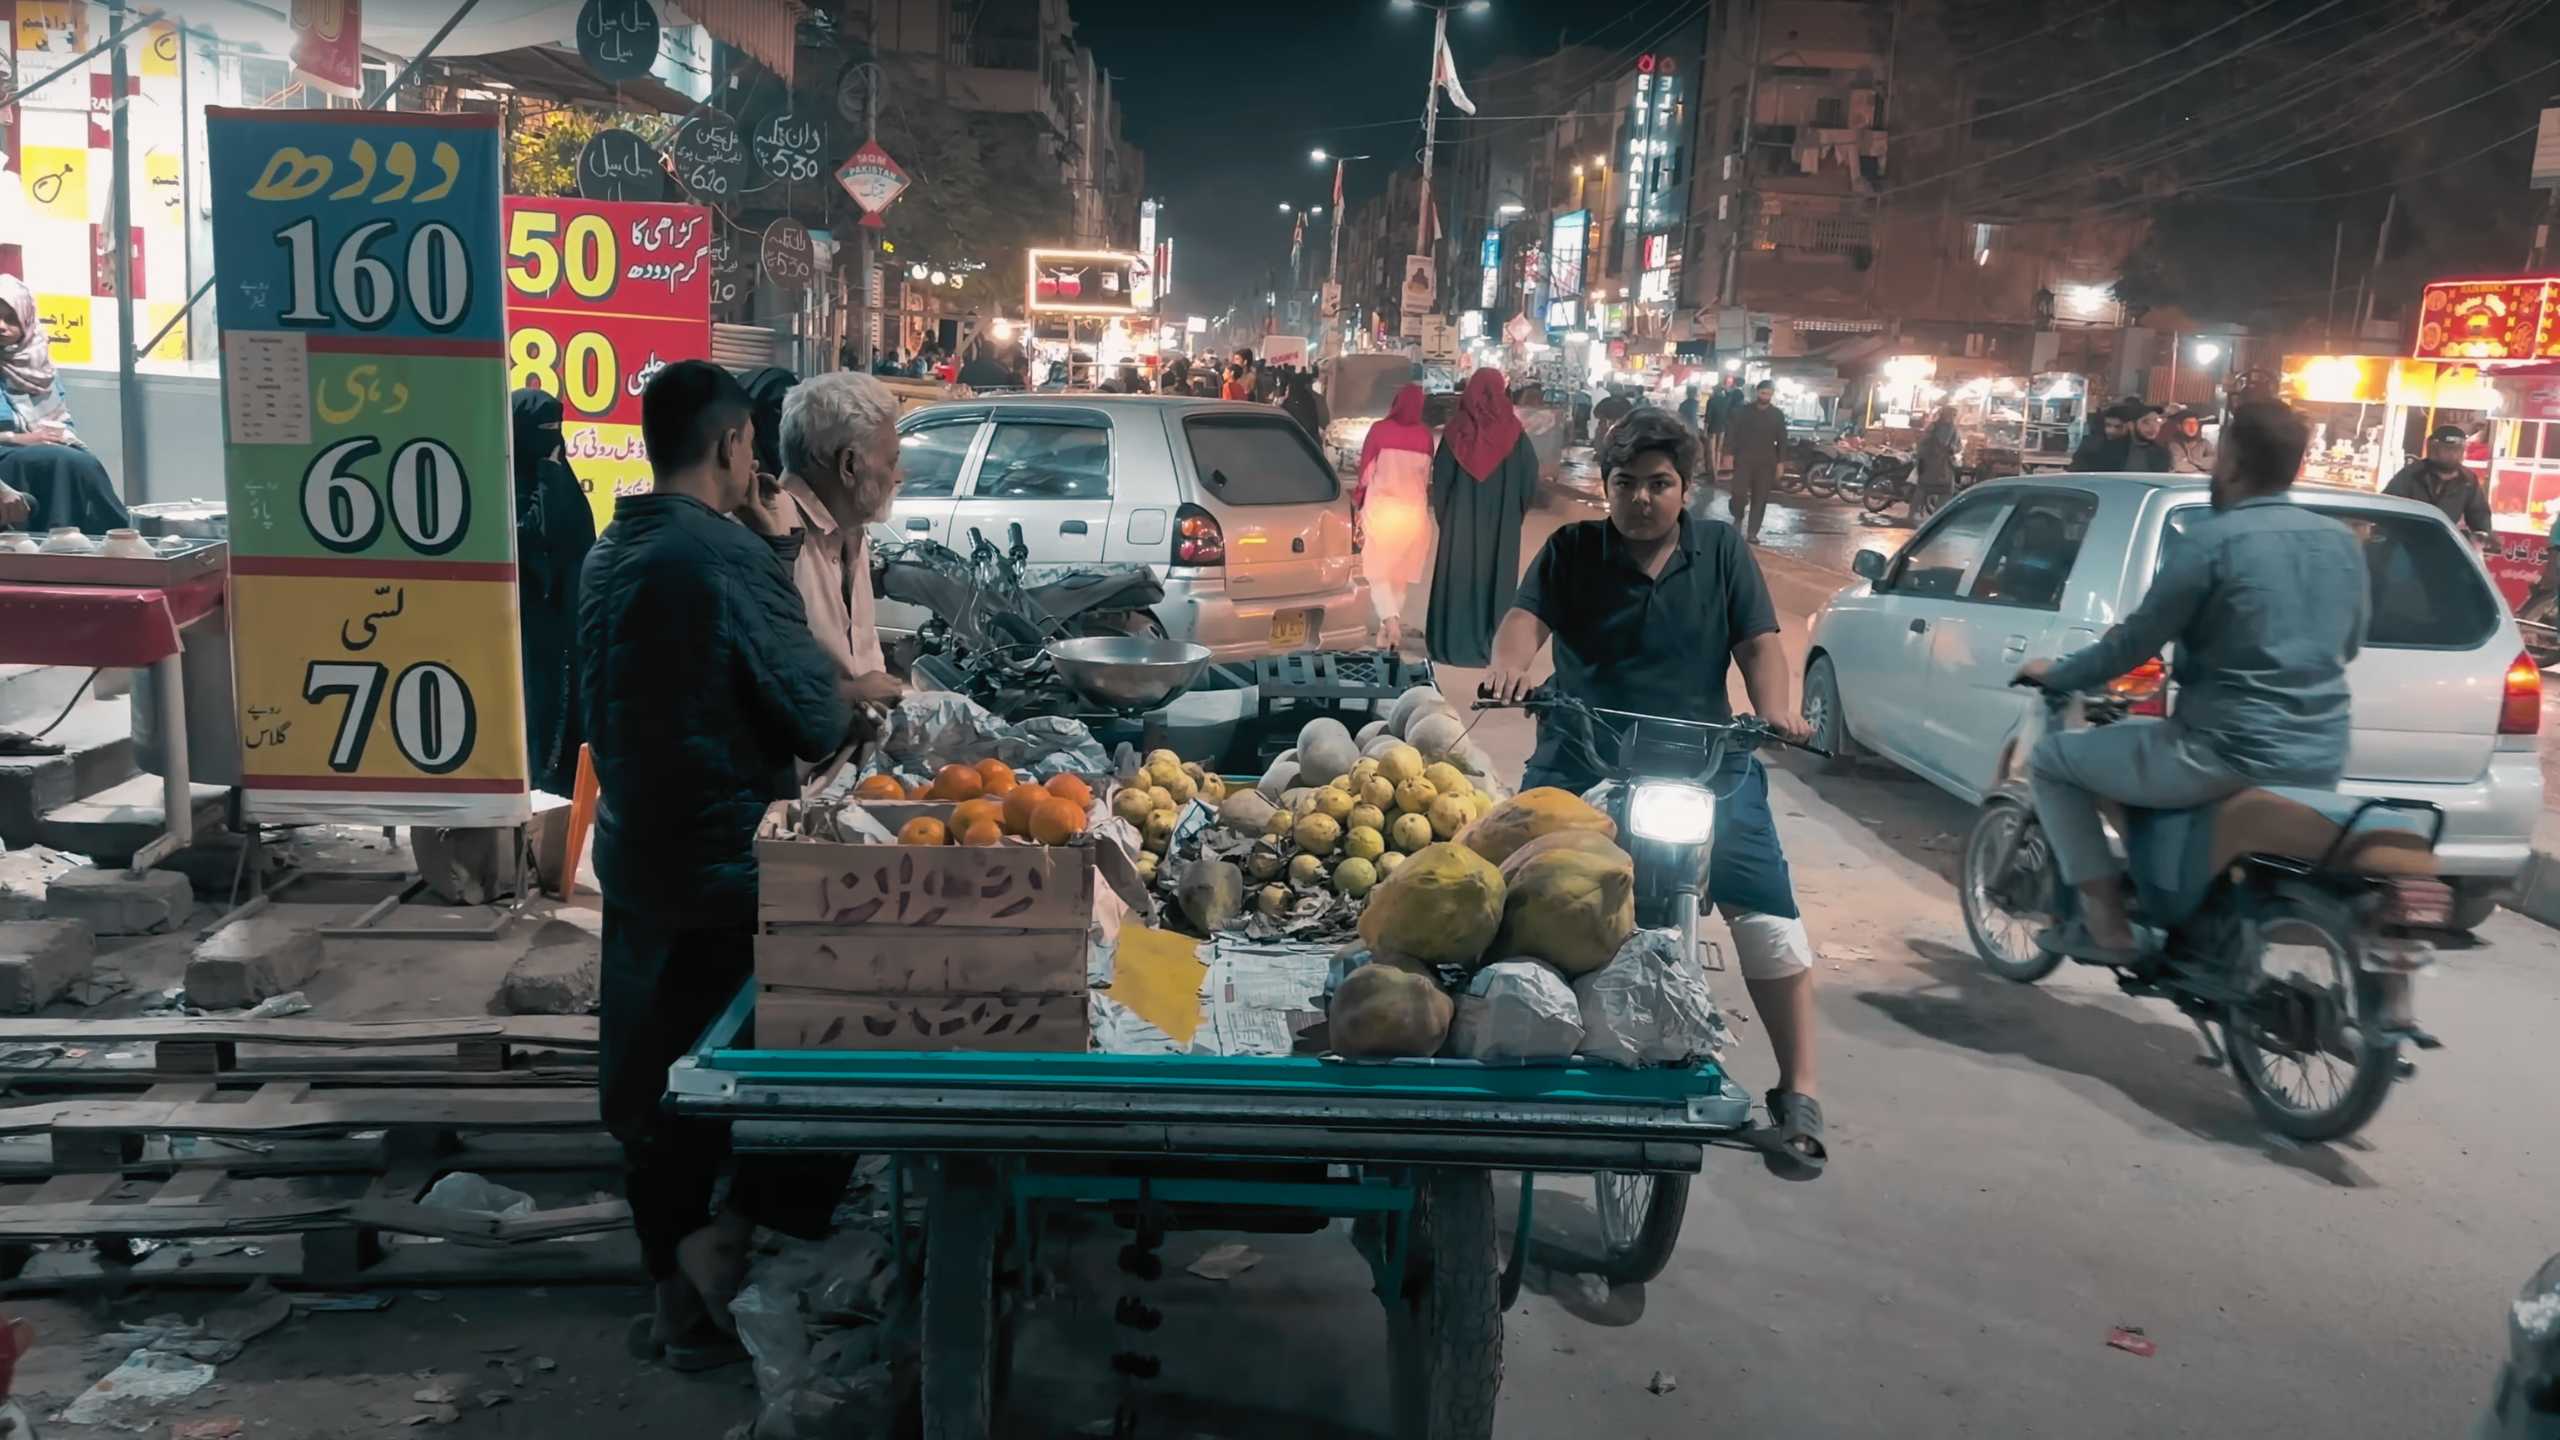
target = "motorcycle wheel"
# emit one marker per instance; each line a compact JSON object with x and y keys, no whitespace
{"x":2312,"y":1007}
{"x":1791,"y":482}
{"x":1823,"y":479}
{"x":1640,"y":1219}
{"x":1882,"y":496}
{"x":2006,"y":840}
{"x":1928,"y":502}
{"x":1854,"y":480}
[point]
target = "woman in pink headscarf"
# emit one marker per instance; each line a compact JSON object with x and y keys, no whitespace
{"x":1482,"y":483}
{"x":1394,"y":497}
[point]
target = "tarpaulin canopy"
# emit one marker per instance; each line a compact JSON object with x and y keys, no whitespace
{"x":764,"y":29}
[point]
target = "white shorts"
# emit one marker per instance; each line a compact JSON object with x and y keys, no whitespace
{"x":1768,"y":947}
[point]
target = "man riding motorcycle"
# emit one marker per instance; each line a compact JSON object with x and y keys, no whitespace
{"x":1649,"y":610}
{"x":2266,"y":602}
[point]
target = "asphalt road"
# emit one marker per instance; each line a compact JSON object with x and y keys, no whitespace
{"x":2016,"y":1171}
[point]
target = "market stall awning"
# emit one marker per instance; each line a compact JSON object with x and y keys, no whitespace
{"x":551,"y":73}
{"x":765,"y":29}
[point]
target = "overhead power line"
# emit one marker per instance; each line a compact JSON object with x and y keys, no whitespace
{"x":1903,"y":137}
{"x":2083,"y":123}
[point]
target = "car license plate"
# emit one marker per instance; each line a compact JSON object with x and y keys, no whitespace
{"x":1291,"y":629}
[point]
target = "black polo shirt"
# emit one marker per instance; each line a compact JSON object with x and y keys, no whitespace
{"x":1625,"y":640}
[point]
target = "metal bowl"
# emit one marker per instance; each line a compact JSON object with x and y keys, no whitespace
{"x":1128,"y":673}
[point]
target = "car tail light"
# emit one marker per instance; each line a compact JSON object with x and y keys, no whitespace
{"x":2146,"y":685}
{"x":1197,"y":540}
{"x":2520,"y":712}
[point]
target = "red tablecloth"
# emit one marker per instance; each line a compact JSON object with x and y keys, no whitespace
{"x":99,"y":625}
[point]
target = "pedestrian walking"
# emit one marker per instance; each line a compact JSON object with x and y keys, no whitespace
{"x":1298,"y":397}
{"x":1482,"y":482}
{"x":1935,"y":460}
{"x":1393,"y":496}
{"x":700,"y":683}
{"x":1757,"y":435}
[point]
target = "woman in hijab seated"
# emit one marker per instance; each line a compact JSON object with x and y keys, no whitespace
{"x":48,"y":478}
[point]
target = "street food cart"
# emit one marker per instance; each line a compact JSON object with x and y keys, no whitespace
{"x":2057,"y":416}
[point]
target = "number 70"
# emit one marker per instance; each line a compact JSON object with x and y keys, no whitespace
{"x":432,"y":718}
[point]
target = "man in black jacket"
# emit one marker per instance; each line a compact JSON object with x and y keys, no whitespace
{"x":701,"y":684}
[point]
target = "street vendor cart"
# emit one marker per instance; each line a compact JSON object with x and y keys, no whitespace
{"x":996,"y":1144}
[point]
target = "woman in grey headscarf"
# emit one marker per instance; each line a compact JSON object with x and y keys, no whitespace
{"x":47,"y":477}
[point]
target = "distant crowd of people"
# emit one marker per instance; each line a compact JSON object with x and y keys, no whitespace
{"x":2137,"y":437}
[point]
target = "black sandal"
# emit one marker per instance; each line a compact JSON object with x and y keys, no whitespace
{"x":18,"y":742}
{"x":1791,"y":1143}
{"x":2072,"y":941}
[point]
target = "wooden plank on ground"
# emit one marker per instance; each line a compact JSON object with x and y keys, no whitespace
{"x":563,"y":1032}
{"x":322,"y":1113}
{"x":610,"y":1259}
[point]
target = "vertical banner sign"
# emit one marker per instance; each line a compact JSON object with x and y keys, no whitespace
{"x":600,"y":297}
{"x":328,"y":44}
{"x":373,"y":576}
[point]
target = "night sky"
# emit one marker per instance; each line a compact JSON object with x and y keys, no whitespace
{"x":1227,"y":102}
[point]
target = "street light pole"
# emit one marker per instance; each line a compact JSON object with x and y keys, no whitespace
{"x":1334,"y":339}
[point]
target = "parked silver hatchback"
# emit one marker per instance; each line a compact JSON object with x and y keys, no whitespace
{"x":1912,"y":663}
{"x":1232,"y":504}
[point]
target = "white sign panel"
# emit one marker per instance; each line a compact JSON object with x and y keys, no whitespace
{"x":1421,"y":284}
{"x":1284,"y":350}
{"x":1439,"y":340}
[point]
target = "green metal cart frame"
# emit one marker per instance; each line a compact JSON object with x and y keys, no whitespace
{"x":1405,"y":1149}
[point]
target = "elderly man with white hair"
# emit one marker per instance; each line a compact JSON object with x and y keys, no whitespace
{"x":840,"y":474}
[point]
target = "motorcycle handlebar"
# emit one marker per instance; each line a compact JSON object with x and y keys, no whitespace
{"x":1751,"y":730}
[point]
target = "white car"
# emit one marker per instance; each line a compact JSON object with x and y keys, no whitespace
{"x":1912,"y":663}
{"x":1232,"y":504}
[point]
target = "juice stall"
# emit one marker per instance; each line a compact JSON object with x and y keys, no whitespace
{"x":2486,"y":358}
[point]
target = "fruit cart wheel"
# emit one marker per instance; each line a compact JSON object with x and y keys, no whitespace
{"x":1445,"y":1330}
{"x":962,"y":1318}
{"x":1640,"y":1219}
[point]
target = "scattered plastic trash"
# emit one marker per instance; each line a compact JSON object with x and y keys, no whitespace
{"x":440,"y":1415}
{"x":259,"y":1309}
{"x":2131,"y":1340}
{"x":333,"y":1303}
{"x":221,"y":1429}
{"x":814,"y":1377}
{"x":146,"y":1379}
{"x":276,"y":1007}
{"x":545,"y":1364}
{"x":1224,"y":1262}
{"x":1662,"y":1383}
{"x":462,"y":1190}
{"x":492,"y":1399}
{"x":440,"y":1392}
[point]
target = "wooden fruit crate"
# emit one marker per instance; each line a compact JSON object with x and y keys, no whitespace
{"x":932,"y":947}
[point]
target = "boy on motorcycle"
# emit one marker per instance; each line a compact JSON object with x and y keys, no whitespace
{"x":2266,"y":602}
{"x":1649,"y":610}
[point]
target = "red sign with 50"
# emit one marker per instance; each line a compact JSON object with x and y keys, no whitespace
{"x":600,"y":296}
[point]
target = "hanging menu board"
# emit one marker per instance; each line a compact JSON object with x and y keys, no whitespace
{"x":600,"y":297}
{"x":373,"y":592}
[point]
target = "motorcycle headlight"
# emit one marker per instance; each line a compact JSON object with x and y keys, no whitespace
{"x":1672,"y":814}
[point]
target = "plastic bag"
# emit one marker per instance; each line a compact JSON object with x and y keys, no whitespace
{"x":462,"y":1190}
{"x":929,"y":729}
{"x":1646,"y":1007}
{"x":813,"y":1379}
{"x":1514,"y":1012}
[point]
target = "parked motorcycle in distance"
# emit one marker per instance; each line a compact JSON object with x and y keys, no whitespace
{"x":1894,"y":480}
{"x":2278,"y":915}
{"x":1660,"y":774}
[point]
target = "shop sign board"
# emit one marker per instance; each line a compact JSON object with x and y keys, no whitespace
{"x":2503,"y":319}
{"x":600,"y":297}
{"x":373,"y":558}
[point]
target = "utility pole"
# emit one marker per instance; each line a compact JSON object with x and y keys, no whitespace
{"x":1333,"y":328}
{"x":1430,"y":128}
